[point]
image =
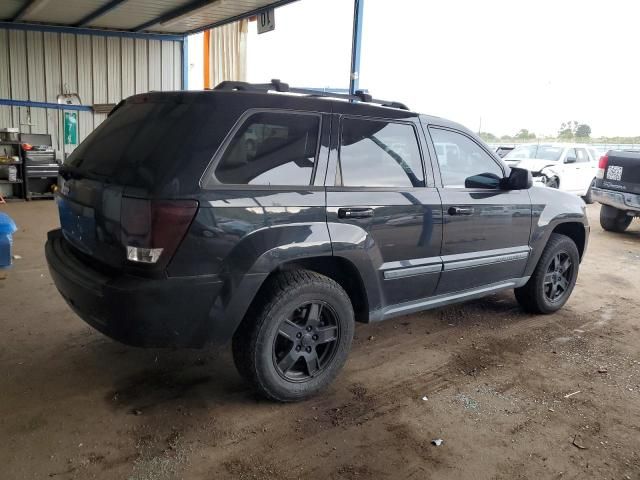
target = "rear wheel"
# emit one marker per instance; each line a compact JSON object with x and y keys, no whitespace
{"x":588,"y":198}
{"x":554,"y":277}
{"x":614,"y":220}
{"x":296,"y":338}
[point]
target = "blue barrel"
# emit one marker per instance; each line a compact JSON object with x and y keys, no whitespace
{"x":7,"y":228}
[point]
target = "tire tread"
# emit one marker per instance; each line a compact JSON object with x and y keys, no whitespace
{"x":530,"y":296}
{"x":245,"y":340}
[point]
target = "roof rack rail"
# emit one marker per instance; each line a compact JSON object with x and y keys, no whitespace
{"x":278,"y":86}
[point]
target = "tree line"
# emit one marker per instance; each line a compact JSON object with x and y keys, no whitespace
{"x":571,"y":130}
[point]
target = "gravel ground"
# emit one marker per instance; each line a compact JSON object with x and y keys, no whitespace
{"x":510,"y":394}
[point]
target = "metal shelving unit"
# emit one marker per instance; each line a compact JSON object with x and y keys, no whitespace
{"x":19,"y":190}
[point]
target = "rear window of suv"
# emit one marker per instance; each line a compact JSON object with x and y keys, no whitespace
{"x":271,"y":148}
{"x":140,"y":141}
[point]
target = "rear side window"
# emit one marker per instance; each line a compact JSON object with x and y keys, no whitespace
{"x":271,"y":148}
{"x":376,"y":153}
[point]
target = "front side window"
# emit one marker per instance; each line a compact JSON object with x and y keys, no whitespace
{"x":271,"y":148}
{"x":375,"y":153}
{"x":582,"y":154}
{"x":463,"y":163}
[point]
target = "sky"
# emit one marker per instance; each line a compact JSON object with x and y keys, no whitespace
{"x":507,"y":64}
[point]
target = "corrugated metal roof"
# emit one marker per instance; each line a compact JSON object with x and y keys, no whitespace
{"x":159,"y":16}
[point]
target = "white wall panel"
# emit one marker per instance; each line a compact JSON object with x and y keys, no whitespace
{"x":36,"y":80}
{"x":114,"y":70}
{"x":99,"y":56}
{"x":128,"y":68}
{"x":69,"y":63}
{"x":53,"y":71}
{"x":19,"y":86}
{"x":39,"y":66}
{"x":167,"y":66}
{"x":85,"y":84}
{"x":177,"y":66}
{"x":142,"y":66}
{"x":6,"y":117}
{"x":155,"y":65}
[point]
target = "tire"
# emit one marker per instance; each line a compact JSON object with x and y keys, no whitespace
{"x":614,"y":220}
{"x":296,"y":336}
{"x":553,"y":183}
{"x":588,"y":198}
{"x":550,"y":276}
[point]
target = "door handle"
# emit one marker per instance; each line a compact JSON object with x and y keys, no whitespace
{"x":355,"y":212}
{"x":460,"y":211}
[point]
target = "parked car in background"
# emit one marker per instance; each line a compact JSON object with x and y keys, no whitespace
{"x":503,"y":150}
{"x":617,"y":188}
{"x":174,"y":233}
{"x":567,"y":167}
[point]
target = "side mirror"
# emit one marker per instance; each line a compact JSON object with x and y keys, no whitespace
{"x":483,"y":180}
{"x":570,"y":160}
{"x":518,"y":179}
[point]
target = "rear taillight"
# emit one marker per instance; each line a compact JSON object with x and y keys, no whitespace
{"x":602,"y":166}
{"x":153,"y":229}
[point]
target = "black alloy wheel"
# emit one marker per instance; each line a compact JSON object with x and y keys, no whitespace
{"x":306,"y":342}
{"x":295,"y":337}
{"x":558,"y":277}
{"x":553,"y":278}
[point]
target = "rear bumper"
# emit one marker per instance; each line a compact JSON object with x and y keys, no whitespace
{"x":629,"y":202}
{"x":149,"y":312}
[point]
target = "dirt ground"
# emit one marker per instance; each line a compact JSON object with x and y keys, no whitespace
{"x":512,"y":395}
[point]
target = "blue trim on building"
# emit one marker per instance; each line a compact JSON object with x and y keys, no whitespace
{"x":89,"y":31}
{"x":354,"y":80}
{"x":55,"y":106}
{"x":185,"y":63}
{"x":99,"y":12}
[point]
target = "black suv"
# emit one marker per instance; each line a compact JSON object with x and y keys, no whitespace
{"x":275,"y":220}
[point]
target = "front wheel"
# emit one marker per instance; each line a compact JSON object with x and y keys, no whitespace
{"x":554,"y":277}
{"x":296,"y":337}
{"x":614,"y":220}
{"x":553,"y":182}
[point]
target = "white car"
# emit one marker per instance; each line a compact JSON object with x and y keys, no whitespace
{"x":567,"y":167}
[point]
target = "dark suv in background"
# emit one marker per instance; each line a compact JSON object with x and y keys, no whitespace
{"x":275,"y":220}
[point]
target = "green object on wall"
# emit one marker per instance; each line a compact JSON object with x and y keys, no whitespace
{"x":70,"y":128}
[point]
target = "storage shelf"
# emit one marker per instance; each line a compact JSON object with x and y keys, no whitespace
{"x":4,"y":142}
{"x":10,"y":181}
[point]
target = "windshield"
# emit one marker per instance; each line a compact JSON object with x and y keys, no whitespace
{"x":542,"y":152}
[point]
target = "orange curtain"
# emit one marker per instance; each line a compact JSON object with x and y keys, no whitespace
{"x":225,"y":53}
{"x":207,"y":59}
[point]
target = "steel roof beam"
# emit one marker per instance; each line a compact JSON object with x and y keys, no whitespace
{"x":98,"y":12}
{"x":248,"y":14}
{"x":175,"y":13}
{"x":29,"y":8}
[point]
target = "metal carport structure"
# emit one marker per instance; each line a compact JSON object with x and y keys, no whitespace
{"x":105,"y":50}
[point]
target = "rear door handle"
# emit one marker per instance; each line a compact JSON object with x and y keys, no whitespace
{"x":355,"y":212}
{"x":460,"y":211}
